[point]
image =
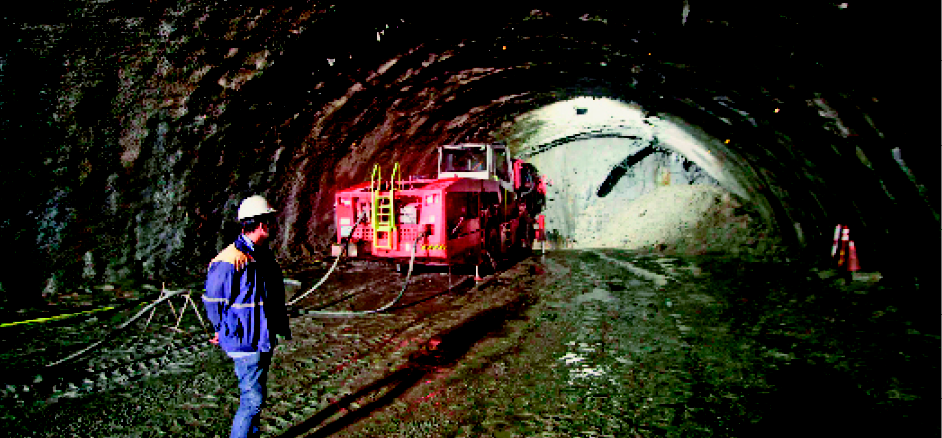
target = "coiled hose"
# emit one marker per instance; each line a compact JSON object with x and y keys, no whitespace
{"x":359,"y":312}
{"x":169,"y":294}
{"x":164,"y":297}
{"x":343,"y":251}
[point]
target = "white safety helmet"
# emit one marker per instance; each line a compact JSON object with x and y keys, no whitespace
{"x":254,"y":206}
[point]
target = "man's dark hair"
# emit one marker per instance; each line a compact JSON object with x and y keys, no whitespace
{"x":252,"y":223}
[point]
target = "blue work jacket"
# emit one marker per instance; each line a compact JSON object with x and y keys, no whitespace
{"x":246,"y":307}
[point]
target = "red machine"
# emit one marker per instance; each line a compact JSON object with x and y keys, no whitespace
{"x":481,"y":208}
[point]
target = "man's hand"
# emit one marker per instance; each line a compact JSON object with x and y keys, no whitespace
{"x":241,"y":261}
{"x":215,"y":339}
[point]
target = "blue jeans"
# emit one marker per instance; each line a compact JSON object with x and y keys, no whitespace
{"x":252,"y":372}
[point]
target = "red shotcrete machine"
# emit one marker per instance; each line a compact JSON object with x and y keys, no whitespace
{"x":482,"y":208}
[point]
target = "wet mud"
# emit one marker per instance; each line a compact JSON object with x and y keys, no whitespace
{"x":568,"y":343}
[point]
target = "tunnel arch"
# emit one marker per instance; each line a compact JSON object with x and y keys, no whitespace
{"x":700,"y":103}
{"x":269,"y":99}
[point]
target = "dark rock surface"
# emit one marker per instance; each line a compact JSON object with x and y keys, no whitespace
{"x":138,"y":128}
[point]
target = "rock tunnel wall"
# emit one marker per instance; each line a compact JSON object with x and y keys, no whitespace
{"x":575,"y":210}
{"x":143,"y":125}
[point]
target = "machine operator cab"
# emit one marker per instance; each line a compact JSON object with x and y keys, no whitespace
{"x":475,"y":161}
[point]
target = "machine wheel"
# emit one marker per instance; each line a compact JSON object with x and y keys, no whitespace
{"x":508,"y":243}
{"x":492,"y":246}
{"x":521,"y":243}
{"x":525,"y":237}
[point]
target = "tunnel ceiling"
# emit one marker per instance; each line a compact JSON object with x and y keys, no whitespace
{"x":148,"y":123}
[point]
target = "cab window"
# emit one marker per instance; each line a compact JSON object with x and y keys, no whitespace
{"x":463,"y":160}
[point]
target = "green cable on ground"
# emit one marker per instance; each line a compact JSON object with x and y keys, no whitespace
{"x":53,"y":318}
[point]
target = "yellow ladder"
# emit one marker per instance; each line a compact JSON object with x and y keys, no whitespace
{"x":383,"y":212}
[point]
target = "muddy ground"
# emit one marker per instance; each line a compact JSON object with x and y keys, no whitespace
{"x":588,"y":343}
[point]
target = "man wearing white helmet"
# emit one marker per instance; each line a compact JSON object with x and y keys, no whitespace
{"x":245,"y":300}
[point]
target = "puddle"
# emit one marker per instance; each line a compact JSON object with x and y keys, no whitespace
{"x":658,"y":279}
{"x":586,"y":371}
{"x":596,"y":295}
{"x":571,"y":358}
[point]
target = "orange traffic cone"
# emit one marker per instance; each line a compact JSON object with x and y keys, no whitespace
{"x":852,"y":264}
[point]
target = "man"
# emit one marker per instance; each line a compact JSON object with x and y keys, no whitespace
{"x":245,"y":300}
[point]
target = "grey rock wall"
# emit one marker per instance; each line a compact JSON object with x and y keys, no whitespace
{"x":574,"y":171}
{"x":145,"y":124}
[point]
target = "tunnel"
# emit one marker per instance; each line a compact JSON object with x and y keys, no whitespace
{"x":145,"y":126}
{"x":135,"y":129}
{"x":127,"y":111}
